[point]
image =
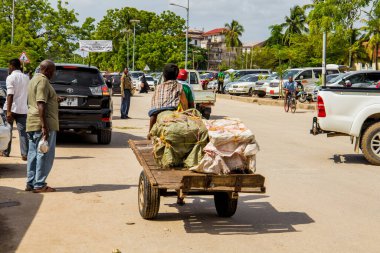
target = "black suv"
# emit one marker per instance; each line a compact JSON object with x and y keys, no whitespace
{"x":88,"y":104}
{"x":3,"y":87}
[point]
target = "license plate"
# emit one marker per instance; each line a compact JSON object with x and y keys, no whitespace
{"x":70,"y":102}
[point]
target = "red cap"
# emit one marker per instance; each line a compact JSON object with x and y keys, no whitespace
{"x":182,"y":75}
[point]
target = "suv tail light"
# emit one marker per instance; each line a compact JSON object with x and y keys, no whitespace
{"x":321,"y":108}
{"x":100,"y":90}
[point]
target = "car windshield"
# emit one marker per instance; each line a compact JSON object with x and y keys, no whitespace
{"x":77,"y":76}
{"x":136,"y":75}
{"x":338,"y":78}
{"x":116,"y":79}
{"x":248,"y":78}
{"x":149,"y":78}
{"x":290,"y":73}
{"x":272,"y":77}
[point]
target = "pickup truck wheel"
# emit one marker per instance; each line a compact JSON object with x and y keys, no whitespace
{"x":225,"y":205}
{"x":104,"y":136}
{"x":148,"y":198}
{"x":371,"y":144}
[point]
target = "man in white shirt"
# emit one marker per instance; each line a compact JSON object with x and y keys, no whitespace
{"x":16,"y":105}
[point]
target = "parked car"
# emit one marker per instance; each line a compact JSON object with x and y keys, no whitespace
{"x":116,"y":81}
{"x":3,"y":87}
{"x":351,"y":78}
{"x":88,"y":104}
{"x":151,"y":82}
{"x":5,"y":132}
{"x":236,"y":74}
{"x":262,"y":85}
{"x":245,"y":85}
{"x":303,"y":76}
{"x":135,"y":76}
{"x":208,"y":77}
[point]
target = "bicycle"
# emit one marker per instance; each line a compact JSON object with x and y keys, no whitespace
{"x":290,"y":102}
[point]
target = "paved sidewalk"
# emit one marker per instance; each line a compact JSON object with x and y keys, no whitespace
{"x":266,"y":101}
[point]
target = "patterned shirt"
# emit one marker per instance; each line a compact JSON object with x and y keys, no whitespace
{"x":167,"y":96}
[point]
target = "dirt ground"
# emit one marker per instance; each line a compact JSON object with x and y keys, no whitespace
{"x":321,"y":197}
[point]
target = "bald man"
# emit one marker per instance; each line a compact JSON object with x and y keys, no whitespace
{"x":42,"y":124}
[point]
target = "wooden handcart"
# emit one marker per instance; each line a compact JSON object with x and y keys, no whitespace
{"x":155,"y":182}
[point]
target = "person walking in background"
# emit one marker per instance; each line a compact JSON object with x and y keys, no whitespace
{"x":16,"y":107}
{"x":42,"y":125}
{"x":126,"y":88}
{"x":221,"y":77}
{"x":182,"y":79}
{"x":144,"y":86}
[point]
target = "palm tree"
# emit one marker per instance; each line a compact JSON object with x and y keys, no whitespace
{"x":372,"y":34}
{"x":295,"y":23}
{"x":233,"y":32}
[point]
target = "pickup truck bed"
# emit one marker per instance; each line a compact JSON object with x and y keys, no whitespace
{"x":353,"y":112}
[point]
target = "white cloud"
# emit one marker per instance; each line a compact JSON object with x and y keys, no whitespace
{"x":255,"y":15}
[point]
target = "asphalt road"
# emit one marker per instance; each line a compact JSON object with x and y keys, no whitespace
{"x":321,"y":197}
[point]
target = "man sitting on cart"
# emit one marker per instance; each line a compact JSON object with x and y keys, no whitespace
{"x":170,"y":95}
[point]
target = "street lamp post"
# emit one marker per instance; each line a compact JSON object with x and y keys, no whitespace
{"x":134,"y":22}
{"x":187,"y":27}
{"x":13,"y":21}
{"x":127,"y":32}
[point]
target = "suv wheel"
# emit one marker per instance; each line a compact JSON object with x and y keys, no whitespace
{"x":104,"y":136}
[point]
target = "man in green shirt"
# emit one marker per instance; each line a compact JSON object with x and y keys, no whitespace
{"x":42,"y":124}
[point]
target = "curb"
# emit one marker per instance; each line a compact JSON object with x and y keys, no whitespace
{"x":261,"y":101}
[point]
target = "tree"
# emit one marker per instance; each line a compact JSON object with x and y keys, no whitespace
{"x":159,"y":39}
{"x":233,"y":32}
{"x":372,"y":32}
{"x":294,"y":24}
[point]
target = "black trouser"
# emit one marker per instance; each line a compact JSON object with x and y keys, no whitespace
{"x":220,"y":87}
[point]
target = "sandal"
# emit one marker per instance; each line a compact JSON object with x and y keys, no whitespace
{"x":44,"y":189}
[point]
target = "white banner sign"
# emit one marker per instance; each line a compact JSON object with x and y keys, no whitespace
{"x":96,"y":46}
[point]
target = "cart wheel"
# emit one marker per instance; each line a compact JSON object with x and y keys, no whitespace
{"x":225,"y":205}
{"x":149,"y":198}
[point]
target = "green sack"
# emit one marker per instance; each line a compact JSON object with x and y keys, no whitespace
{"x":179,"y":139}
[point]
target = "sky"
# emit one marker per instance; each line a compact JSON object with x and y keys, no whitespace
{"x":255,"y":15}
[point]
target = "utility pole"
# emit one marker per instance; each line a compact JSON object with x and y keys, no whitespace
{"x":13,"y":22}
{"x":134,"y":22}
{"x":187,"y":27}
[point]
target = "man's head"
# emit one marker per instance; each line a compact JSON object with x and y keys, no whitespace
{"x":183,"y":74}
{"x":126,"y":71}
{"x":14,"y":64}
{"x":170,"y":72}
{"x":290,"y":78}
{"x":47,"y":67}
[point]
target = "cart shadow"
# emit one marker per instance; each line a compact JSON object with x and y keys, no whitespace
{"x":350,"y":159}
{"x":15,"y":203}
{"x":94,"y":188}
{"x":251,"y":218}
{"x":75,"y":140}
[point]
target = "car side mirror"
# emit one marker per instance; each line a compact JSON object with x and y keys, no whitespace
{"x":301,"y":77}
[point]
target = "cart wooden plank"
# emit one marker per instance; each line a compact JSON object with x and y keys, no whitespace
{"x":187,"y":181}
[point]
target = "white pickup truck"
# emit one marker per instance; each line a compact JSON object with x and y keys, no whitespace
{"x":353,"y":112}
{"x":203,"y":99}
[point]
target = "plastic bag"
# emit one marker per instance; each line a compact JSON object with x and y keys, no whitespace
{"x":43,"y":146}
